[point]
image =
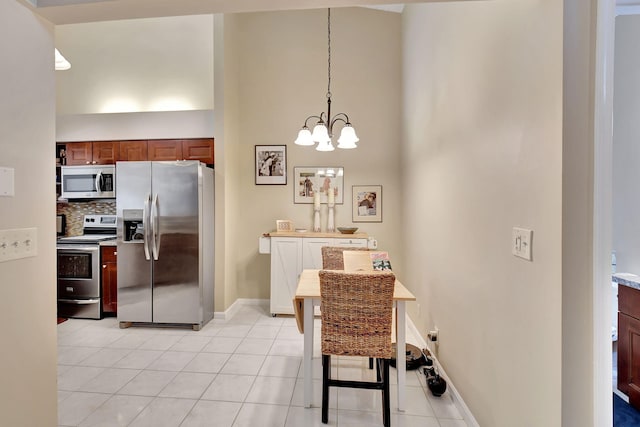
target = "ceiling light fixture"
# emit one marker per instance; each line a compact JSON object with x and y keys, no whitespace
{"x":323,"y":130}
{"x":61,"y":62}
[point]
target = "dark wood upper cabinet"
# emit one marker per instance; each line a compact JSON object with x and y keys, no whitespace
{"x":105,"y":152}
{"x":79,"y":153}
{"x":109,"y":152}
{"x":198,"y":149}
{"x":133,"y":151}
{"x":163,"y":149}
{"x":91,"y":153}
{"x":181,"y":149}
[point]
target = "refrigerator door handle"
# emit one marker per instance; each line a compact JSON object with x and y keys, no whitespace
{"x":145,"y":226}
{"x":98,"y":183}
{"x":155,"y":228}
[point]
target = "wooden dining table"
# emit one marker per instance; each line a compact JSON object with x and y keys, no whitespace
{"x":308,"y":292}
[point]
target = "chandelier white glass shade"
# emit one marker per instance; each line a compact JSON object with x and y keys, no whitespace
{"x":61,"y":62}
{"x":323,"y":129}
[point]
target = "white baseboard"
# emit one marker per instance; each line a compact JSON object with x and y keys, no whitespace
{"x":464,"y":409}
{"x":233,"y":308}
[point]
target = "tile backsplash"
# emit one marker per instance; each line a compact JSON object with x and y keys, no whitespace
{"x":75,"y":211}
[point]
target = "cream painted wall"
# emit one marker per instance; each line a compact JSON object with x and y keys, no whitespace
{"x":153,"y":64}
{"x":283,"y":79}
{"x":227,"y":129}
{"x":626,"y":150}
{"x":28,"y":286}
{"x":483,"y":153}
{"x":578,"y":359}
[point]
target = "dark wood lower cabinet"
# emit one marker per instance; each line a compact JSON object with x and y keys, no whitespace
{"x":629,"y":343}
{"x":108,"y":255}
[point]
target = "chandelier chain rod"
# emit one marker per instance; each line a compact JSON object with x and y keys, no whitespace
{"x":329,"y":53}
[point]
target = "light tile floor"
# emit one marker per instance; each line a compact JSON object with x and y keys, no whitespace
{"x":245,"y":371}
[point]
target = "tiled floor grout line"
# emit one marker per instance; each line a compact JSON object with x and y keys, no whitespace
{"x":171,"y":365}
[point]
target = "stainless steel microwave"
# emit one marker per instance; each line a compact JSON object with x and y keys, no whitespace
{"x":89,"y":182}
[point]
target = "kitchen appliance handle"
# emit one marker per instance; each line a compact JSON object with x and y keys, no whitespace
{"x":80,"y":301}
{"x":98,"y":182}
{"x":155,"y":228}
{"x":76,"y":248}
{"x":145,"y":227}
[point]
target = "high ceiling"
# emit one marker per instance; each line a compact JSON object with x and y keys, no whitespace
{"x":77,"y":11}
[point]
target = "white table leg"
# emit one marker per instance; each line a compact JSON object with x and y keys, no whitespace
{"x":401,"y":365}
{"x":308,"y":352}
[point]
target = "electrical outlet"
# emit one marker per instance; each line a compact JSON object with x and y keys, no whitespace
{"x":18,"y":243}
{"x":434,"y":335}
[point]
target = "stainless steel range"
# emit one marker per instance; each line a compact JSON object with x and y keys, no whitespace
{"x":79,"y":293}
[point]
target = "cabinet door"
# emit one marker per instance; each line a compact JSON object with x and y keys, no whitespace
{"x":132,"y":151}
{"x":286,"y":266}
{"x":104,"y":153}
{"x":79,"y":153}
{"x":629,"y":358}
{"x":198,"y":149}
{"x":312,"y":252}
{"x":109,"y":279}
{"x":164,"y":149}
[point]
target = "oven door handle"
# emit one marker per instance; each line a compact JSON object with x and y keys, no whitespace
{"x":155,"y":228}
{"x":80,"y":301}
{"x":145,"y":226}
{"x":77,"y":248}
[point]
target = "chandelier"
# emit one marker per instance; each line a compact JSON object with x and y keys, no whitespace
{"x":323,"y":130}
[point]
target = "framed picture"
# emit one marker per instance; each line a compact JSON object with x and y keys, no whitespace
{"x":271,"y":165}
{"x":367,"y":203}
{"x":284,"y":225}
{"x":310,"y":181}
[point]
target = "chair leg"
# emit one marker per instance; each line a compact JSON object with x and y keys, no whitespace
{"x":386,"y":399}
{"x":371,"y":363}
{"x":326,"y":375}
{"x":378,"y":365}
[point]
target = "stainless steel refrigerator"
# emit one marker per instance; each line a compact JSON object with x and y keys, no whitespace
{"x":165,"y":243}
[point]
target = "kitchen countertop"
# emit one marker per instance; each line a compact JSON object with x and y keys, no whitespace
{"x":113,"y":242}
{"x":336,"y":235}
{"x":627,"y":279}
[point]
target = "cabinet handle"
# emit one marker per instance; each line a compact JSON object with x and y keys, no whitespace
{"x":87,"y":162}
{"x":104,"y":265}
{"x":115,"y":253}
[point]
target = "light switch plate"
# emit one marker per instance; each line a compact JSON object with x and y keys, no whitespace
{"x":521,"y":242}
{"x":18,"y":243}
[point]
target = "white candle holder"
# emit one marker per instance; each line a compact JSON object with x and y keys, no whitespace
{"x":330,"y":223}
{"x":316,"y":219}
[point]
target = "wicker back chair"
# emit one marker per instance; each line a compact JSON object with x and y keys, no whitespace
{"x":332,"y":257}
{"x":356,"y":310}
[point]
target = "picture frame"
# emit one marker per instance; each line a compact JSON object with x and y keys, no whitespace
{"x":271,"y":164}
{"x":284,"y":225}
{"x":367,"y":203}
{"x":311,"y":179}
